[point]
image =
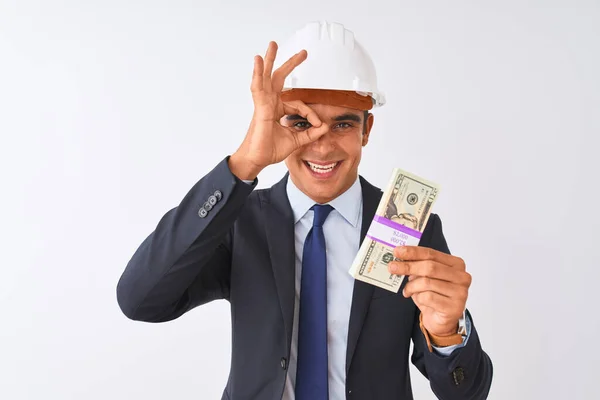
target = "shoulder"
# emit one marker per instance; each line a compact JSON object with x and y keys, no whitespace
{"x":369,"y":187}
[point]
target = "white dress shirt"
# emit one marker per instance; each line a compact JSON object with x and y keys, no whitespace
{"x":342,"y":240}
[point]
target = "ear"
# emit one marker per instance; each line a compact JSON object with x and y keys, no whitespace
{"x":367,"y":130}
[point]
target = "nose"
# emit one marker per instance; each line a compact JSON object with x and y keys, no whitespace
{"x":325,"y":143}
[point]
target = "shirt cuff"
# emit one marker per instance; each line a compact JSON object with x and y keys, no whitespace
{"x":447,"y":350}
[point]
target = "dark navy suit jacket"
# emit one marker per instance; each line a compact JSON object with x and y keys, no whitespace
{"x":228,"y":240}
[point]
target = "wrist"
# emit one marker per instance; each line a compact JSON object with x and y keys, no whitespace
{"x":444,"y":338}
{"x":448,"y":332}
{"x":242,"y":168}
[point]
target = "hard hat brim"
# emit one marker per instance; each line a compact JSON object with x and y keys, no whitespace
{"x":341,"y":98}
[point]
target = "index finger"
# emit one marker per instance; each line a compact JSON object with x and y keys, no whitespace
{"x":428,"y":269}
{"x":420,"y":253}
{"x":283,"y":71}
{"x":303,"y":110}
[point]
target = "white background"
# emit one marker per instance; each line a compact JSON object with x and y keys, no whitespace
{"x":111,"y":110}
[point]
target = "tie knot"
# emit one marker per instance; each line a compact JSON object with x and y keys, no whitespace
{"x":321,"y":212}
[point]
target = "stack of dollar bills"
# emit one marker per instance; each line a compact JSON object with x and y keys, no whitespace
{"x":400,"y":219}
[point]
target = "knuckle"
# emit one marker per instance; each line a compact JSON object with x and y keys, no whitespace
{"x":464,"y":294}
{"x":429,"y":252}
{"x":428,"y":297}
{"x":419,"y":298}
{"x":411,"y":268}
{"x":393,"y":266}
{"x":430,"y":268}
{"x":426,"y":282}
{"x":403,"y":268}
{"x":459,"y":294}
{"x":468,"y":279}
{"x":397,"y":252}
{"x":402,"y":252}
{"x":407,"y":267}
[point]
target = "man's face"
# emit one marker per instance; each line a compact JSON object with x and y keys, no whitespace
{"x":327,"y":167}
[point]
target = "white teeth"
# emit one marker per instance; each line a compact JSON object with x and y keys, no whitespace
{"x":322,"y":169}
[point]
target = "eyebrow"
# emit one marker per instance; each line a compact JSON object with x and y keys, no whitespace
{"x":294,"y":117}
{"x":348,"y":117}
{"x":338,"y":118}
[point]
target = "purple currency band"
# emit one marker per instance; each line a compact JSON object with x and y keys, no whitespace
{"x":399,"y":228}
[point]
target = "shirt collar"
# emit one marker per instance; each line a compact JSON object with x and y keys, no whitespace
{"x":348,"y":204}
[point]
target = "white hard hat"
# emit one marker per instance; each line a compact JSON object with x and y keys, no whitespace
{"x":336,"y":61}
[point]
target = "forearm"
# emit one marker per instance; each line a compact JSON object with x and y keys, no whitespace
{"x":187,"y":239}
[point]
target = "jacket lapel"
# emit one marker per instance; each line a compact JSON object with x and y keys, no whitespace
{"x":279,"y":225}
{"x":361,"y":296}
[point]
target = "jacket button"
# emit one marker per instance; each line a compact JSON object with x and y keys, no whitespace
{"x":218,"y":195}
{"x":202,"y":213}
{"x":283,"y":363}
{"x":459,"y":375}
{"x":207,"y":206}
{"x":212,"y":200}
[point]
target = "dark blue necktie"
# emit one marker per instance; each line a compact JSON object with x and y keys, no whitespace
{"x":311,"y":375}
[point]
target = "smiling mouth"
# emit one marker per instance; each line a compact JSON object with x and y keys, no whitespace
{"x":323,"y":170}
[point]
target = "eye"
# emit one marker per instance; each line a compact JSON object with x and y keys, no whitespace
{"x":301,"y":125}
{"x":343,"y":127}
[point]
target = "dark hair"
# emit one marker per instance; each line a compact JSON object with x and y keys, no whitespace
{"x":365,"y":116}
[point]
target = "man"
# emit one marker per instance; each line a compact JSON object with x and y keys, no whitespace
{"x":303,"y":328}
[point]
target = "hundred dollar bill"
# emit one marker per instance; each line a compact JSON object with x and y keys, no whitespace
{"x":400,"y":219}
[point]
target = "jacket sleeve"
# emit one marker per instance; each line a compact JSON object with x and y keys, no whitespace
{"x":465,"y":374}
{"x":186,"y":260}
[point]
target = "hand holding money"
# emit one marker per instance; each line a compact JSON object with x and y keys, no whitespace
{"x":438,"y":284}
{"x":400,"y":219}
